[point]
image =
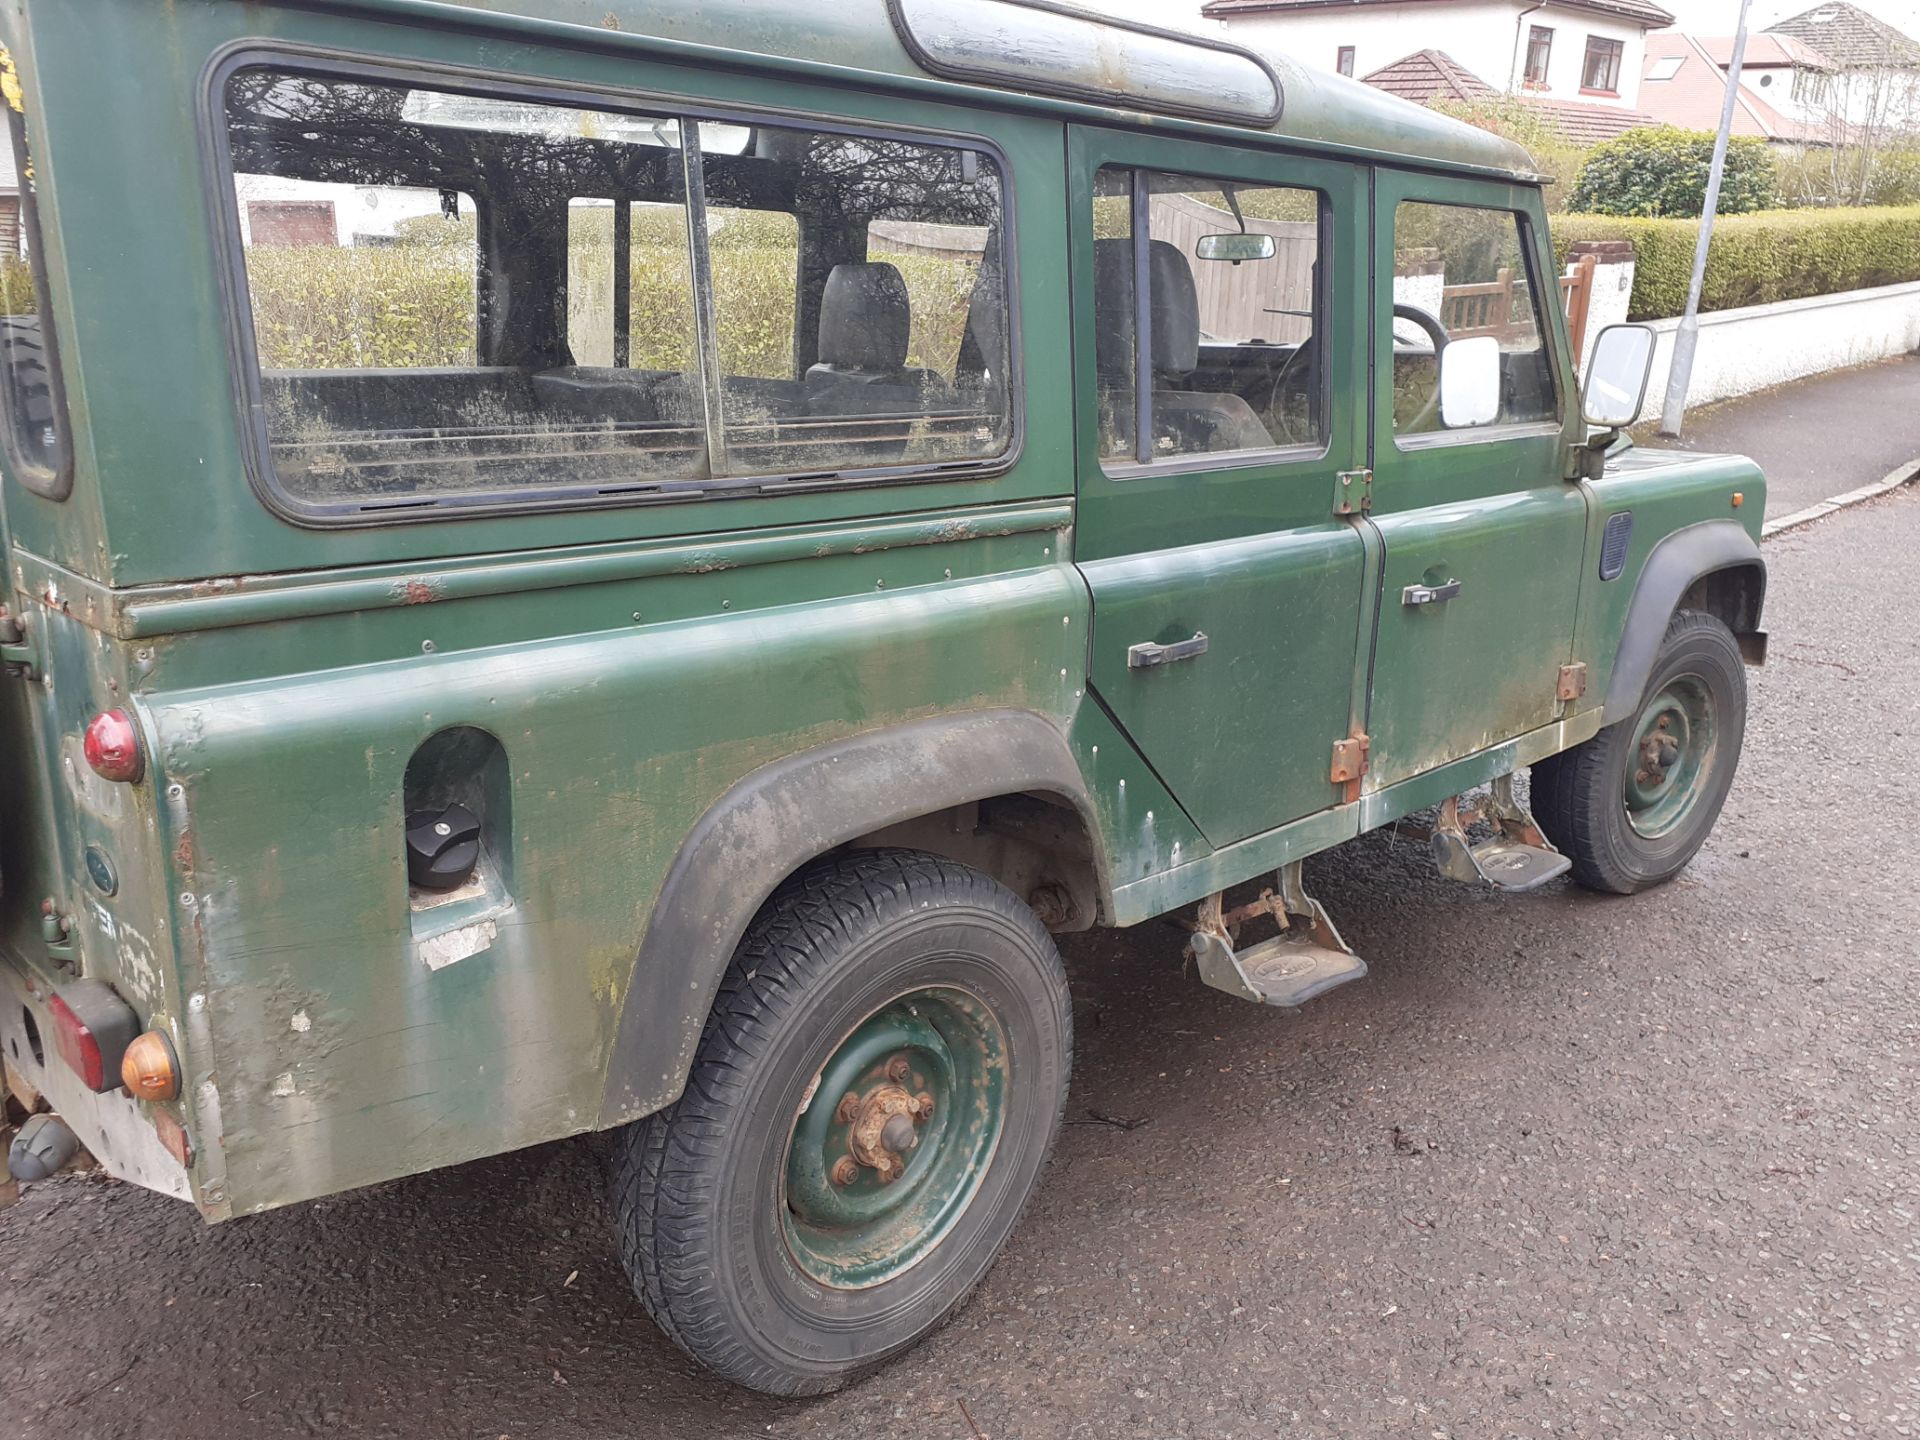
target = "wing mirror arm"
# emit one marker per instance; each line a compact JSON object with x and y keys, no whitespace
{"x":1613,"y":392}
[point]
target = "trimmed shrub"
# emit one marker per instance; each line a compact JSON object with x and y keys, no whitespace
{"x":1757,"y":258}
{"x":16,"y":288}
{"x":1658,"y":170}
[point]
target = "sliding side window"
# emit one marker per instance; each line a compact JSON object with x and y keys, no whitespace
{"x":1207,"y":318}
{"x":460,"y":298}
{"x":898,"y":354}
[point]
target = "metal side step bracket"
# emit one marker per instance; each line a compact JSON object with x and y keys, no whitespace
{"x":1516,"y":857}
{"x":1307,"y":958}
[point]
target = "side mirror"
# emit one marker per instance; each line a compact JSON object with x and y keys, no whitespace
{"x":1235,"y":247}
{"x":1616,"y":382}
{"x":1470,"y":382}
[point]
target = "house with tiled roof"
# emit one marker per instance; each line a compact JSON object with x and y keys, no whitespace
{"x":1579,"y":51}
{"x":1577,"y":62}
{"x":1874,"y":85}
{"x":1785,"y":86}
{"x":1429,"y":75}
{"x":1851,"y":38}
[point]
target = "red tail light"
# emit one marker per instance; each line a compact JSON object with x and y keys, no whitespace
{"x":77,"y":1044}
{"x":112,"y":746}
{"x":92,"y":1028}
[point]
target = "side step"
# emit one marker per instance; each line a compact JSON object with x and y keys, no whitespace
{"x":1517,"y":857}
{"x":1306,"y":959}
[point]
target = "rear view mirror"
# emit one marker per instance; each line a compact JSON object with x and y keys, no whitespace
{"x":1235,"y":247}
{"x":1616,"y":382}
{"x":1470,"y":382}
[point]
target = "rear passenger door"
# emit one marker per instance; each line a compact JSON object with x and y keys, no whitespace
{"x":1219,"y":386}
{"x":1483,"y":535}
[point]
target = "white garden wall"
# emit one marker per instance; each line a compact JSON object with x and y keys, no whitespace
{"x":1750,"y":349}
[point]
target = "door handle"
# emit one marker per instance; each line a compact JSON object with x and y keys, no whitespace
{"x":1148,"y":654}
{"x":1429,"y":594}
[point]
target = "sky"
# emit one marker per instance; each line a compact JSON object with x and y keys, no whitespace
{"x":1702,"y":17}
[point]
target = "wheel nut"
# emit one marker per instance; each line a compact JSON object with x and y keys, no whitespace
{"x":849,"y":1109}
{"x":897,"y":1069}
{"x":844,"y":1169}
{"x":923,"y":1106}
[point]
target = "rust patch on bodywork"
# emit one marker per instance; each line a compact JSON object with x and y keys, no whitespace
{"x":416,"y":592}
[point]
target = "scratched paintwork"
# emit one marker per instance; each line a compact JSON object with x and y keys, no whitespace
{"x":635,"y":663}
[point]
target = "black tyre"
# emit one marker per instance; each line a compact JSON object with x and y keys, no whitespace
{"x":877,"y":1089}
{"x":1634,"y":804}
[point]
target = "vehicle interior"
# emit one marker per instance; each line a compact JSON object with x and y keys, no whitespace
{"x":1229,"y":319}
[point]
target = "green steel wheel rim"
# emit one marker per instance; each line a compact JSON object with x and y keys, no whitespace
{"x":1672,"y":757}
{"x":850,"y":1225}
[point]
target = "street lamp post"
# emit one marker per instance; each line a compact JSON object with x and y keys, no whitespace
{"x":1687,"y":339}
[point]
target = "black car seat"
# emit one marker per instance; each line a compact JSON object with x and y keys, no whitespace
{"x":866,"y":322}
{"x":1184,"y":421}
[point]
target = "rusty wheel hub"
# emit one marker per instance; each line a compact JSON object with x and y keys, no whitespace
{"x":886,"y":1127}
{"x":895,"y":1136}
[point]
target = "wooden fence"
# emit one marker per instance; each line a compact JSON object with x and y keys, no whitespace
{"x":1500,"y":307}
{"x":1236,"y":301}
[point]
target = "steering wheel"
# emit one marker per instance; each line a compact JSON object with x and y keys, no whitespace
{"x":1437,"y":333}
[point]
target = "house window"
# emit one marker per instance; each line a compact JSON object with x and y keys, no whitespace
{"x":1601,"y":73}
{"x":1539,"y":48}
{"x":1345,"y":63}
{"x":1665,"y":68}
{"x":1809,"y":87}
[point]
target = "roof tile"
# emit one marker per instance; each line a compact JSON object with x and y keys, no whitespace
{"x":1851,"y":37}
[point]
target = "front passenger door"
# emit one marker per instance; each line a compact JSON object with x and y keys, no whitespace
{"x":1483,"y":536}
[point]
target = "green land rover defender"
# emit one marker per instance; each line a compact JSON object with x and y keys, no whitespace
{"x":626,"y":566}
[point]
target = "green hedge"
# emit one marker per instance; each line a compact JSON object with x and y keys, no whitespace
{"x":408,"y":305}
{"x":1754,"y":259}
{"x":1661,"y":170}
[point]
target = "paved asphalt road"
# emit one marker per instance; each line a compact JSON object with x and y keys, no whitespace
{"x":1817,"y":437}
{"x":1561,"y":1166}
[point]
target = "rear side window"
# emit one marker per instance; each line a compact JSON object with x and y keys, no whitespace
{"x":30,"y":393}
{"x":460,"y":299}
{"x":1461,"y":272}
{"x":1206,"y":318}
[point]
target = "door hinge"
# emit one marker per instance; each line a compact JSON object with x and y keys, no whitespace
{"x":18,"y":655}
{"x":1350,"y":760}
{"x":1355,"y":495}
{"x":1573,"y":681}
